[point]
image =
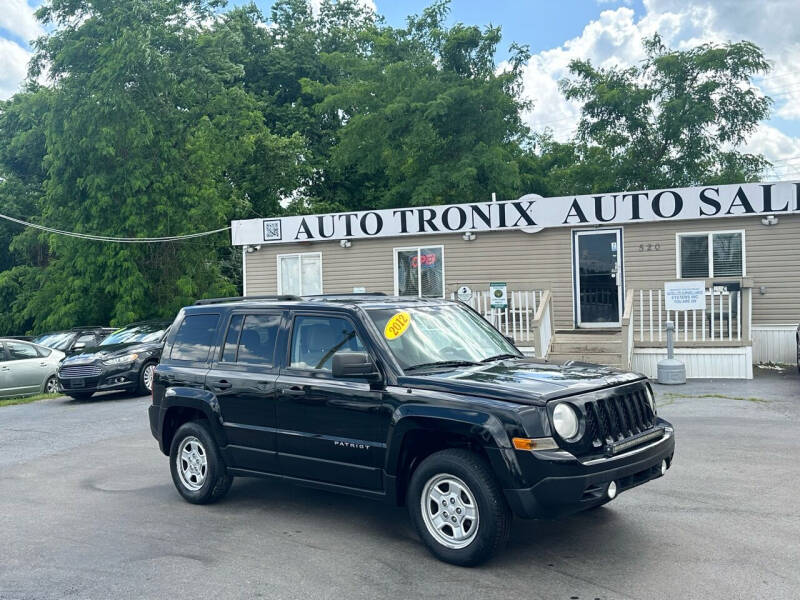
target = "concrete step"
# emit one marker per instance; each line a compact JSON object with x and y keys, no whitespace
{"x":612,"y":359}
{"x":567,"y":345}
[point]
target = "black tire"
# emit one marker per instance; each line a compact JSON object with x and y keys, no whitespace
{"x":494,"y":515}
{"x":216,"y":481}
{"x":141,"y":386}
{"x":80,"y":395}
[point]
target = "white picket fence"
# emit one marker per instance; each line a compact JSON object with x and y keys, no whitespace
{"x":517,"y":319}
{"x":720,"y":321}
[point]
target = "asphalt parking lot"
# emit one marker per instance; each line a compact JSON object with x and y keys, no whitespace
{"x":88,"y":510}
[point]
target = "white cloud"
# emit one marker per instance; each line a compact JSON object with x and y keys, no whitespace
{"x":615,"y":39}
{"x":13,"y":67}
{"x":17,"y":17}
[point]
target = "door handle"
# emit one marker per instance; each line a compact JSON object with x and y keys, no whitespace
{"x":295,"y":390}
{"x":42,"y":364}
{"x":221,"y":385}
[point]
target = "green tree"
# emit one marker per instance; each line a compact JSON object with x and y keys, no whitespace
{"x":149,"y":132}
{"x":677,"y":119}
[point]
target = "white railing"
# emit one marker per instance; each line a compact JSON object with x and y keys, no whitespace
{"x":724,"y":319}
{"x":517,"y":319}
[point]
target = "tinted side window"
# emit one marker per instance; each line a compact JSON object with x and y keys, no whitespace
{"x":195,"y":337}
{"x":316,"y":339}
{"x":257,"y":341}
{"x":20,"y":351}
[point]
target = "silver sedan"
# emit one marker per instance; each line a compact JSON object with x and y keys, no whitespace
{"x":27,"y":368}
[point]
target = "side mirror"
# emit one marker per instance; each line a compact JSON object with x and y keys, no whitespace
{"x":78,"y":347}
{"x":354,"y":365}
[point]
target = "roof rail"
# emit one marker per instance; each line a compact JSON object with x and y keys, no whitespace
{"x":345,"y":295}
{"x":280,"y":298}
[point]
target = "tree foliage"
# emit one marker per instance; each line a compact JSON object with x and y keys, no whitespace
{"x":675,"y":120}
{"x":167,"y":117}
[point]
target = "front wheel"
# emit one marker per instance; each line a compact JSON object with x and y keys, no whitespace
{"x":51,"y":386}
{"x":457,"y":507}
{"x":146,"y":378}
{"x":198,"y":470}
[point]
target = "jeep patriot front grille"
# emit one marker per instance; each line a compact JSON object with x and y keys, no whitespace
{"x":617,"y":417}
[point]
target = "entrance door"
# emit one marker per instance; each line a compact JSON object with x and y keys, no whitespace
{"x":598,"y":277}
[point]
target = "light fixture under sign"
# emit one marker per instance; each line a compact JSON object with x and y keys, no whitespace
{"x":251,"y":249}
{"x":468,"y":236}
{"x":345,"y":243}
{"x":769,"y":220}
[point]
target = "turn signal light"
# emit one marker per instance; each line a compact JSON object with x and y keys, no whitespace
{"x":546,"y":443}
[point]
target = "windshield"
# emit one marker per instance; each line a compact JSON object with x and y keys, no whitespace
{"x":58,"y":341}
{"x":439,"y":333}
{"x":144,"y":332}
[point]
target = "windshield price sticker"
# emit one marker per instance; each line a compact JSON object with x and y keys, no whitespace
{"x":397,"y":325}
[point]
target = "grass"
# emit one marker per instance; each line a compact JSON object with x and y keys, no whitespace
{"x":27,"y":399}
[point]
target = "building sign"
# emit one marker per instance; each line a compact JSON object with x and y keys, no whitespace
{"x":684,"y":295}
{"x":464,"y":293}
{"x":529,"y":213}
{"x":498,"y":294}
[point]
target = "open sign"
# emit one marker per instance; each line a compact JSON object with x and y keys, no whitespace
{"x":426,"y":259}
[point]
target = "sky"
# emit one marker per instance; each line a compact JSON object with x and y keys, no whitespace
{"x":607,"y":32}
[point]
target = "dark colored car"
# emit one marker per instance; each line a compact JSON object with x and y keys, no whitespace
{"x":74,"y":340}
{"x":411,"y":401}
{"x":125,"y":360}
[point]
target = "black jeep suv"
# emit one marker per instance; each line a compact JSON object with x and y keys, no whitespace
{"x":410,"y":401}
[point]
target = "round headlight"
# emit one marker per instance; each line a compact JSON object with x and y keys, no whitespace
{"x":565,"y":421}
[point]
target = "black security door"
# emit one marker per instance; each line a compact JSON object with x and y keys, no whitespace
{"x":598,"y":277}
{"x":329,"y":429}
{"x":243,"y":378}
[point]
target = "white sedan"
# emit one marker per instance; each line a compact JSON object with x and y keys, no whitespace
{"x":27,"y":369}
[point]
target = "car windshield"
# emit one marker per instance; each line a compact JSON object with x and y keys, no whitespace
{"x":439,"y":335}
{"x":144,"y":332}
{"x":58,"y":341}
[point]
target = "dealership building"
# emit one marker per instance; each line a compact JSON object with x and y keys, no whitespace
{"x":593,"y":277}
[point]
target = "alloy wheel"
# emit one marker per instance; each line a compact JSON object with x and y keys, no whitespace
{"x":449,"y":511}
{"x":147,"y":377}
{"x":192,"y":463}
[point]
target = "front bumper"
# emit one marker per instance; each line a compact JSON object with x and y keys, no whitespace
{"x":122,"y":377}
{"x":571,"y":485}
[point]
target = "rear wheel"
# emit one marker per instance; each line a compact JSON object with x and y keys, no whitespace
{"x":198,"y":471}
{"x":457,"y":507}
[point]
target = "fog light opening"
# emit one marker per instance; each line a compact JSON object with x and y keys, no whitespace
{"x":612,"y":490}
{"x":663,"y":466}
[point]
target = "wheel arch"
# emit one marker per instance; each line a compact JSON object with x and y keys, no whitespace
{"x":183,"y":405}
{"x":417,"y":432}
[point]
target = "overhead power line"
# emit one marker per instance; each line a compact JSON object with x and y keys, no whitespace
{"x":121,"y":240}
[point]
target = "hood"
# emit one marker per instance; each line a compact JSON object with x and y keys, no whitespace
{"x":524,"y":381}
{"x":104,"y":352}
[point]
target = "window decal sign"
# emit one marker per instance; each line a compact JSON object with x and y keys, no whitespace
{"x":684,"y":295}
{"x":530,"y":213}
{"x":397,"y":325}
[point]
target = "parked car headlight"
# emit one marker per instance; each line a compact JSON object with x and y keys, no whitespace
{"x":565,"y":421}
{"x":121,"y":360}
{"x":651,"y":399}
